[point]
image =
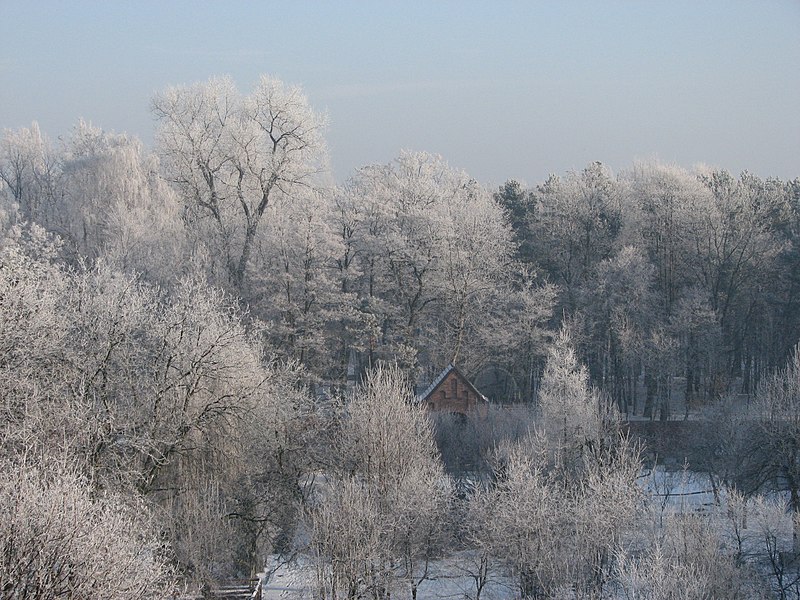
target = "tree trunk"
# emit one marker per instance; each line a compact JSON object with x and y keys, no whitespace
{"x":650,"y":394}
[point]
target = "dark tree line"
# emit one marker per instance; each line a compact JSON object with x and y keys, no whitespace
{"x":678,"y":283}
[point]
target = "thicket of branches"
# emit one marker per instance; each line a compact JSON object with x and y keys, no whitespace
{"x":208,"y":354}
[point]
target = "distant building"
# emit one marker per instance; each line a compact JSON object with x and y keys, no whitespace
{"x":452,"y":392}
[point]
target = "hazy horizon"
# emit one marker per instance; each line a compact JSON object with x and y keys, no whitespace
{"x":502,"y":90}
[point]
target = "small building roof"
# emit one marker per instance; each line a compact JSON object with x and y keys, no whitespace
{"x":441,"y":377}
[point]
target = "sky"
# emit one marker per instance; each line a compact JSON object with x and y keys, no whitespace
{"x":501,"y":89}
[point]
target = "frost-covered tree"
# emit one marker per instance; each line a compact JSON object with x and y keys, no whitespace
{"x":347,"y":543}
{"x":573,"y":413}
{"x":430,"y":254}
{"x":115,"y":206}
{"x":29,"y":172}
{"x":526,"y":517}
{"x":687,"y":560}
{"x":230,"y":156}
{"x":621,"y":310}
{"x":770,"y":442}
{"x":389,"y":467}
{"x":665,"y":199}
{"x":566,"y":494}
{"x":557,"y":529}
{"x":60,"y":540}
{"x":100,"y":192}
{"x":296,"y":287}
{"x":697,"y":330}
{"x":576,"y":223}
{"x":149,"y":394}
{"x":475,"y":264}
{"x":737,"y":247}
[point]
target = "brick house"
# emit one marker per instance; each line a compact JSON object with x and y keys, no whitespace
{"x":452,"y":392}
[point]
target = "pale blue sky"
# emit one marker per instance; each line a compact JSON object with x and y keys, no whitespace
{"x":501,"y":89}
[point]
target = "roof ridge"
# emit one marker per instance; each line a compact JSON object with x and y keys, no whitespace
{"x":436,"y":382}
{"x":469,"y":382}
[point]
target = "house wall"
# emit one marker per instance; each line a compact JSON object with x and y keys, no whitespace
{"x":454,"y":395}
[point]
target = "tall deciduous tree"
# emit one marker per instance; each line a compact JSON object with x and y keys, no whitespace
{"x":230,"y":156}
{"x":430,"y":254}
{"x":151,"y":394}
{"x":577,"y":221}
{"x":296,"y":285}
{"x":621,"y":309}
{"x":666,"y":200}
{"x":737,"y":246}
{"x":113,"y":205}
{"x":29,"y":172}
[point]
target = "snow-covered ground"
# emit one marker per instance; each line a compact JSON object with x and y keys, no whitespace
{"x":291,"y":580}
{"x":678,"y":490}
{"x":449,"y":579}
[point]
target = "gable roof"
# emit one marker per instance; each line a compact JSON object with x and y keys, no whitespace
{"x":447,"y":370}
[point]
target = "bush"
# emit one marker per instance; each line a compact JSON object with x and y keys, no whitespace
{"x":59,"y":540}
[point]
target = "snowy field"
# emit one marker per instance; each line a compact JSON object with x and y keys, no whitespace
{"x":448,"y":579}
